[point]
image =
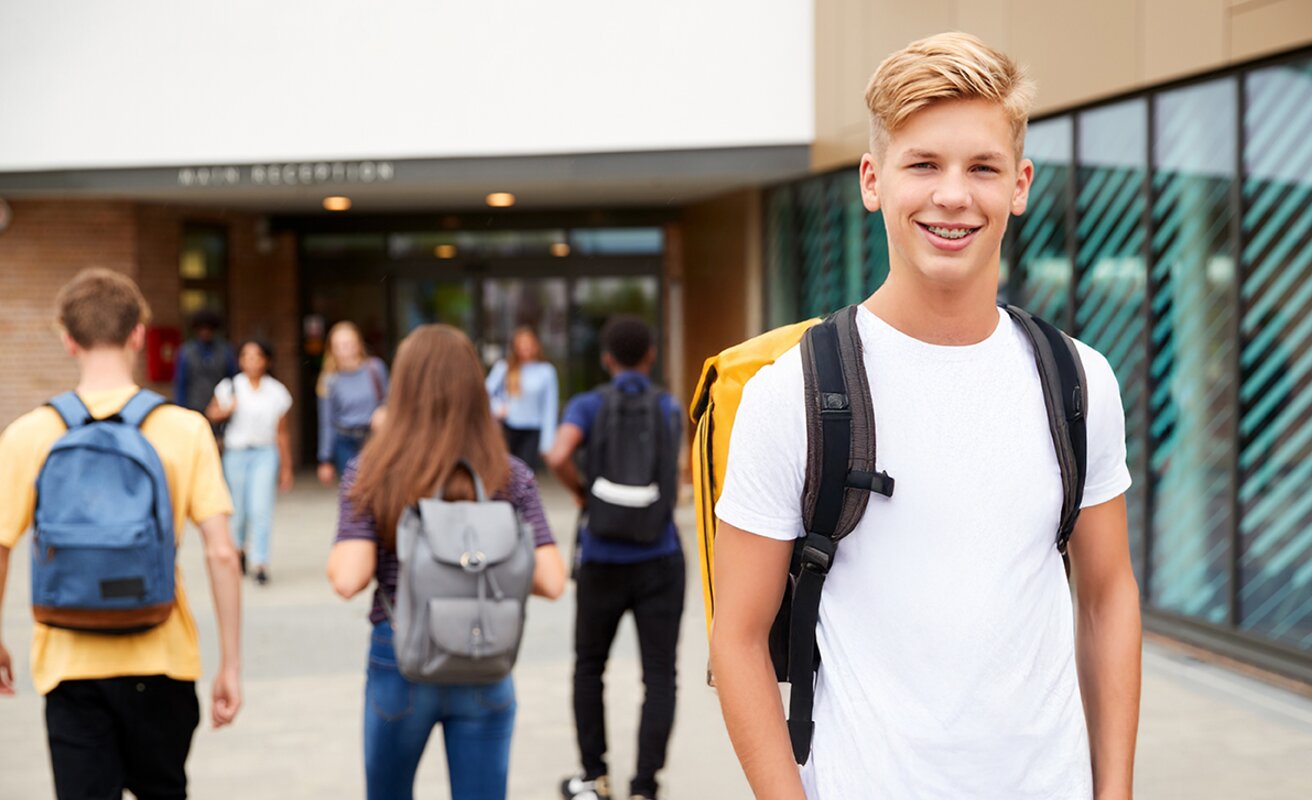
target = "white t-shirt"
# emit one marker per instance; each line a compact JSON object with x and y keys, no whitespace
{"x":946,"y":632}
{"x":254,"y":423}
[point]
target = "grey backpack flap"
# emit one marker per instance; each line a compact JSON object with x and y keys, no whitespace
{"x":466,"y":573}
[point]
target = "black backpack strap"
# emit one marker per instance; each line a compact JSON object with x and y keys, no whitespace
{"x":840,"y":474}
{"x":1065,"y":396}
{"x":603,"y":427}
{"x":71,"y":409}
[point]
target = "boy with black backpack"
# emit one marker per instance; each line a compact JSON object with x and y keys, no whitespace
{"x":629,"y":557}
{"x":106,"y":478}
{"x":907,"y":483}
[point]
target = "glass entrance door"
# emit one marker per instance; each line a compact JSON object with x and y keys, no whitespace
{"x":423,"y":301}
{"x":537,"y":303}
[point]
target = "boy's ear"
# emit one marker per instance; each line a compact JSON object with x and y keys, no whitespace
{"x":1024,"y":179}
{"x":869,"y":183}
{"x":71,"y":347}
{"x":137,"y":339}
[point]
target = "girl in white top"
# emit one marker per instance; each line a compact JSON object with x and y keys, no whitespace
{"x":257,"y":449}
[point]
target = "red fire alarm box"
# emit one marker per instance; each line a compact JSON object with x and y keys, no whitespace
{"x":162,"y":345}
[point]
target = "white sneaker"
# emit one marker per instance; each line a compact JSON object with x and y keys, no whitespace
{"x":576,"y":788}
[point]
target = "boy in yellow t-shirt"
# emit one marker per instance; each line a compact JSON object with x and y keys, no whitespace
{"x":121,"y":709}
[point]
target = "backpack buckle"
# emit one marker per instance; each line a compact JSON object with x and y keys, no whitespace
{"x":473,"y":561}
{"x":817,"y":553}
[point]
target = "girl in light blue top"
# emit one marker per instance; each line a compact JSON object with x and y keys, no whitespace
{"x":525,"y":393}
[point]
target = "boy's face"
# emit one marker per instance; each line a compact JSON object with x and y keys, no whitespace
{"x":947,"y":183}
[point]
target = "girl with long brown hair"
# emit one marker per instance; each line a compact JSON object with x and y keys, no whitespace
{"x":525,"y":392}
{"x":438,"y":414}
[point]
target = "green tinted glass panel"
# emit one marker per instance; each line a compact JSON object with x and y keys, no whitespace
{"x":1275,"y":595}
{"x":1112,"y":273}
{"x":1192,"y":403}
{"x":781,"y":259}
{"x":595,"y":300}
{"x":1041,"y":282}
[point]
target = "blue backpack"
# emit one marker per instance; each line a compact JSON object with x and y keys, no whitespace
{"x":103,"y":549}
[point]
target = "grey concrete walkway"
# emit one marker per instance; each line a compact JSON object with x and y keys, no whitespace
{"x":1206,"y":733}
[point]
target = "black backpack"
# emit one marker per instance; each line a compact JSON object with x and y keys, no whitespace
{"x":632,"y":466}
{"x":840,"y":477}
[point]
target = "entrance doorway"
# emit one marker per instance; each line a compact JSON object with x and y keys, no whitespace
{"x":562,"y":283}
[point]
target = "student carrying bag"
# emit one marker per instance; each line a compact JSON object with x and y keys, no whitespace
{"x":632,"y":465}
{"x":466,"y":570}
{"x":840,"y":467}
{"x":103,"y":549}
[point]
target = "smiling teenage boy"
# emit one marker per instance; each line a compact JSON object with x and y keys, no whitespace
{"x":949,"y":665}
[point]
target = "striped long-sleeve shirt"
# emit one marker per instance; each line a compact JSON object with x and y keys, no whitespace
{"x":521,"y":491}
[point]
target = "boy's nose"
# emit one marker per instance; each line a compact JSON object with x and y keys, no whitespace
{"x":952,"y":192}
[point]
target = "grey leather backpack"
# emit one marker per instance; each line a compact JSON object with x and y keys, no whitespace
{"x":466,"y":574}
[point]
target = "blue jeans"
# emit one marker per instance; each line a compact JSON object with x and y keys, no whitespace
{"x":252,"y":475}
{"x":477,"y":722}
{"x":345,"y":448}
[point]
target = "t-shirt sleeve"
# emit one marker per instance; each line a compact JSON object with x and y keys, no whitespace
{"x":352,"y":522}
{"x":209,"y":492}
{"x":767,"y":454}
{"x":1108,"y":476}
{"x":496,"y":381}
{"x":580,"y":411}
{"x":522,"y":490}
{"x":20,"y":461}
{"x":223,"y":393}
{"x":550,"y":406}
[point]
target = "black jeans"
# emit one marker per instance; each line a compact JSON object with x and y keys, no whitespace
{"x":523,"y":444}
{"x":653,"y":591}
{"x":111,"y":734}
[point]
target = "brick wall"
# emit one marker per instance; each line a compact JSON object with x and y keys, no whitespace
{"x":45,"y":246}
{"x":50,"y":241}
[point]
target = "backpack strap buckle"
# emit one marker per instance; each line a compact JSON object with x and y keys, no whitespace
{"x":877,"y":482}
{"x":817,"y":553}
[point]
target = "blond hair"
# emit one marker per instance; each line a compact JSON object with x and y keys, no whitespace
{"x":100,"y":308}
{"x":947,"y":66}
{"x":330,"y":367}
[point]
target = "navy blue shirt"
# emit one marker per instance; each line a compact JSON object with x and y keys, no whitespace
{"x":581,"y":411}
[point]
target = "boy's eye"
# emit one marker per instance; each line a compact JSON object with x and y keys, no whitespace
{"x":922,"y":165}
{"x":985,"y":168}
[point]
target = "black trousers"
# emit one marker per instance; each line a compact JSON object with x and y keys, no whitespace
{"x":653,"y":591}
{"x":523,"y":444}
{"x":111,"y":734}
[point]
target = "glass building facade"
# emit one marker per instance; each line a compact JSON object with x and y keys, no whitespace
{"x":1172,"y":231}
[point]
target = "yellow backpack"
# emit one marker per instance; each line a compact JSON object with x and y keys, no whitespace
{"x":715,"y":405}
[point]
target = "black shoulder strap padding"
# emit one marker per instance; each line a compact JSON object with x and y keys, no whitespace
{"x":840,"y":427}
{"x":1065,"y":395}
{"x":602,"y":432}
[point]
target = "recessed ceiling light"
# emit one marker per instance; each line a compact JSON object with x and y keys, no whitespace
{"x":337,"y":203}
{"x":501,"y":199}
{"x":445,"y":251}
{"x":560,"y":249}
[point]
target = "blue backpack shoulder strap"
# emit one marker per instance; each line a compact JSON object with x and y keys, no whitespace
{"x":71,"y":409}
{"x":135,"y":411}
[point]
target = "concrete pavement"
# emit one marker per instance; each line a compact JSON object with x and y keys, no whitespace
{"x":1205,"y":733}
